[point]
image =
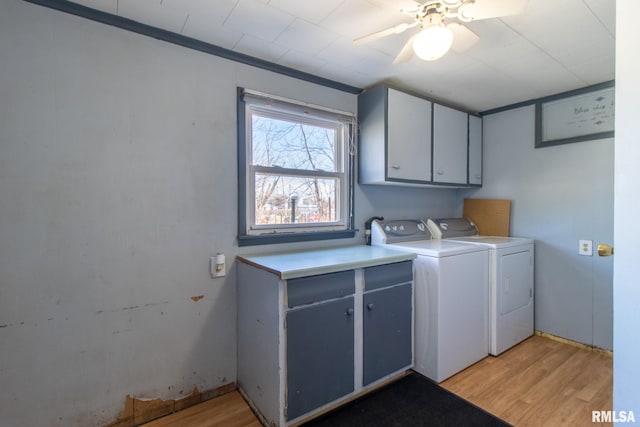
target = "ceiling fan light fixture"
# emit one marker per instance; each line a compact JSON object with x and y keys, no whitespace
{"x":432,"y":42}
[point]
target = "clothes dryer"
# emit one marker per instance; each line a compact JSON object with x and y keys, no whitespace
{"x":451,"y":297}
{"x":511,"y":264}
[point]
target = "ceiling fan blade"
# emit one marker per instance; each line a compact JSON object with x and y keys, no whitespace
{"x":406,"y":52}
{"x":463,"y":38}
{"x":379,"y":34}
{"x":483,"y":9}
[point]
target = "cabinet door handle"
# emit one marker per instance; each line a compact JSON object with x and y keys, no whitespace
{"x":370,"y":306}
{"x":439,"y":173}
{"x":349,"y":311}
{"x":395,"y":167}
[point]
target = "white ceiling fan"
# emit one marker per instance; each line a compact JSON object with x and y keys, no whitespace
{"x":441,"y":28}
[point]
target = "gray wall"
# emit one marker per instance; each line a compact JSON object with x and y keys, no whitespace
{"x":560,"y":195}
{"x":117,"y":183}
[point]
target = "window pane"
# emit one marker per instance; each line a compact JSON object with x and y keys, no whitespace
{"x":295,"y":200}
{"x":293,"y":145}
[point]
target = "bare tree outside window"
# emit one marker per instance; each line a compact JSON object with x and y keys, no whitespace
{"x":292,"y":156}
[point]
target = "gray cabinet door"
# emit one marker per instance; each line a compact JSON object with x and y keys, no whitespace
{"x":320,"y":355}
{"x":387,"y":331}
{"x":475,"y":150}
{"x":408,"y":137}
{"x":450,"y":141}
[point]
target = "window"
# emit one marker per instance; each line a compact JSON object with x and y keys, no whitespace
{"x":295,"y":164}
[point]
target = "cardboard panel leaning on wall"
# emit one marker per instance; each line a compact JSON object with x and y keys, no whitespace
{"x":491,"y":216}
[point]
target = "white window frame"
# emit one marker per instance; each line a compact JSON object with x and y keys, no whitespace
{"x":250,"y":103}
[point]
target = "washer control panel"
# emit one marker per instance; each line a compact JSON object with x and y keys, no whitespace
{"x":400,"y":230}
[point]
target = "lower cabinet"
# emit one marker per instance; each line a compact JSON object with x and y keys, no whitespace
{"x":387,"y":331}
{"x":387,"y":320}
{"x":320,"y":354}
{"x":309,"y":343}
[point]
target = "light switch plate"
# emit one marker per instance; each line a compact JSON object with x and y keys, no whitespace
{"x":218,"y":266}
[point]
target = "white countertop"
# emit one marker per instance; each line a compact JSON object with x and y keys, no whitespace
{"x":309,"y":263}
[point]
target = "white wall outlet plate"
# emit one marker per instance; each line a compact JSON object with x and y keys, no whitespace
{"x":585,"y":247}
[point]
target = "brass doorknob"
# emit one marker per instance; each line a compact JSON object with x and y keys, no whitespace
{"x":605,"y":250}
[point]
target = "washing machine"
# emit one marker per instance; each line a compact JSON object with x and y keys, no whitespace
{"x":451,"y":297}
{"x":511,"y":301}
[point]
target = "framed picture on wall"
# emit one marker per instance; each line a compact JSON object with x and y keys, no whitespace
{"x":580,"y":115}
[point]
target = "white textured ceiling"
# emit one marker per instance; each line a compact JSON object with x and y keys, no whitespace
{"x":554,"y":46}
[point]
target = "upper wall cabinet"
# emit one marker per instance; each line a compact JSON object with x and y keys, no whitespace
{"x":449,"y":145}
{"x":408,"y":140}
{"x":475,"y":150}
{"x":395,"y":137}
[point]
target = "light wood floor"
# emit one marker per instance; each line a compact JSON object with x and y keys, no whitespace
{"x":540,"y":382}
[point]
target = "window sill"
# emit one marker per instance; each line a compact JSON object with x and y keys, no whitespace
{"x":275,"y":238}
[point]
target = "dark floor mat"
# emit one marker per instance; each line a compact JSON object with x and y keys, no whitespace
{"x":411,"y":401}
